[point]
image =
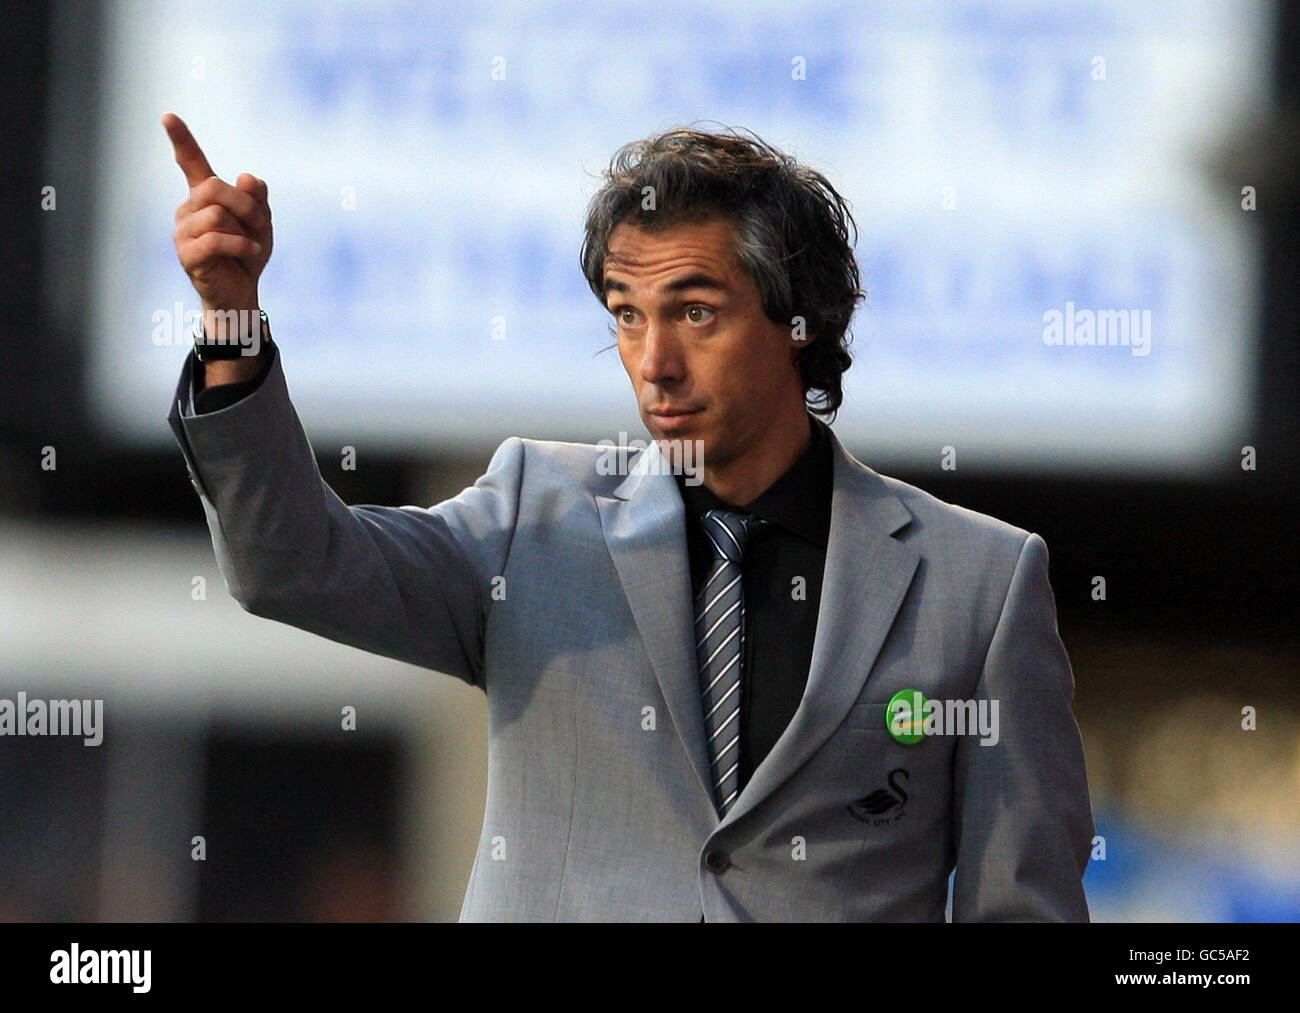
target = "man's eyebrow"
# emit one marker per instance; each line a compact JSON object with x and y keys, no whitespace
{"x":697,"y":280}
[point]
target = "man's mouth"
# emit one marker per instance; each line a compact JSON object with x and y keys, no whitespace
{"x":670,"y":418}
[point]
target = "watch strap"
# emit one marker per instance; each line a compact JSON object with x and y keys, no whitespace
{"x":207,"y":350}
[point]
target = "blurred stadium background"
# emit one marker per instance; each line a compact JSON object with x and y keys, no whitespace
{"x":428,"y":168}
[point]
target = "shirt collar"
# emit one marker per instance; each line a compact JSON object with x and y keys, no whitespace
{"x":799,"y":501}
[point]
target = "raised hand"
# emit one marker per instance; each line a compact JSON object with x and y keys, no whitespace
{"x":223,"y":232}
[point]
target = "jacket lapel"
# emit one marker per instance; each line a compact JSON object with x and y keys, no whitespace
{"x":867,"y":575}
{"x":644,"y":523}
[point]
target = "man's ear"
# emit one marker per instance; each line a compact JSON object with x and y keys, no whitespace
{"x":798,"y":333}
{"x":798,"y":338}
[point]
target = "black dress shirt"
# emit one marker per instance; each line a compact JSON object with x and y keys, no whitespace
{"x":211,"y":399}
{"x":782,"y":574}
{"x":782,"y":580}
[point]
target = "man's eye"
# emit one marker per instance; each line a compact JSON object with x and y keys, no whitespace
{"x":698,"y":314}
{"x":627,"y":316}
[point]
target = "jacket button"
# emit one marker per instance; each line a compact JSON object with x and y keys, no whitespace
{"x":716,"y":861}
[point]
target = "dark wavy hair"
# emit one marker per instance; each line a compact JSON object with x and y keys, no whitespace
{"x":794,"y":233}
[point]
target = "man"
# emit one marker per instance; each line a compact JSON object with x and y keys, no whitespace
{"x":689,"y":684}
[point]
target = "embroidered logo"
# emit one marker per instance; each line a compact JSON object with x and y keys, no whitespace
{"x":884,"y":805}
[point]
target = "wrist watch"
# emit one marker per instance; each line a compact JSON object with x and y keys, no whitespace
{"x":206,"y":350}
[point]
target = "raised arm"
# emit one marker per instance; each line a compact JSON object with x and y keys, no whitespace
{"x":406,"y":582}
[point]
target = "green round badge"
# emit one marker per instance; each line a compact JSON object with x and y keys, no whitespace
{"x":905,"y":716}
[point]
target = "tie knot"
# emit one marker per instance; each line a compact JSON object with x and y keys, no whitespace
{"x":728,"y":531}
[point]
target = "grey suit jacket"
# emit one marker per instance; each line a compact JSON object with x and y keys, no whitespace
{"x":565,"y":594}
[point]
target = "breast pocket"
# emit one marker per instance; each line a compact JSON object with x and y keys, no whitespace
{"x":868,"y":717}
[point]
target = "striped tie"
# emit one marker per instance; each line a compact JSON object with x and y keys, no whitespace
{"x":719,"y":647}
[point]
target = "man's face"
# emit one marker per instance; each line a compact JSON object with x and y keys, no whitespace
{"x":705,"y":361}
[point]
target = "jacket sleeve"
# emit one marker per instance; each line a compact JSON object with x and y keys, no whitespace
{"x":211,"y":399}
{"x":408,"y":582}
{"x":1022,"y":817}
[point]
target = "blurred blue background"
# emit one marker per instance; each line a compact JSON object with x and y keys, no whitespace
{"x":431,"y":163}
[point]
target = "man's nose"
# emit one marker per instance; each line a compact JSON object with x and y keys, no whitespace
{"x":661,"y":359}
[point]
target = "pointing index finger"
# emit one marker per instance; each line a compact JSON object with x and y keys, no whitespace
{"x":189,"y":156}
